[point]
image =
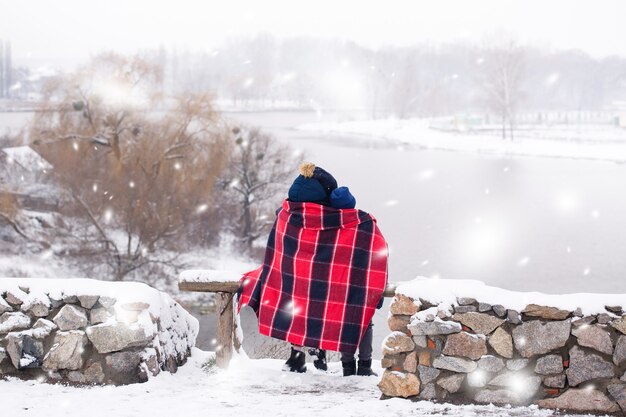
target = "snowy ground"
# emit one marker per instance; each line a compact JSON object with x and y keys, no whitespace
{"x":603,"y":143}
{"x":248,"y":388}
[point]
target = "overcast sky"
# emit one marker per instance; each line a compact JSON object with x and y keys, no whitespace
{"x":65,"y":32}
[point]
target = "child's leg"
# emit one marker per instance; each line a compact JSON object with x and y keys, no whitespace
{"x":365,"y":353}
{"x":365,"y":347}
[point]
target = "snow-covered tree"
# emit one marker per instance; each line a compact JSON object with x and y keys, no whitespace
{"x":502,"y":81}
{"x":258,"y":177}
{"x":139,"y":167}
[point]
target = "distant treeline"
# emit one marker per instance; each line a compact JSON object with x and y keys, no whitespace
{"x":420,"y":80}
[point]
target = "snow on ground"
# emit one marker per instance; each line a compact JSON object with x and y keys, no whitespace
{"x":584,"y":142}
{"x":446,"y":291}
{"x":248,"y":388}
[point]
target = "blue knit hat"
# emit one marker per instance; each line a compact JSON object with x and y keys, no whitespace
{"x":309,"y":170}
{"x":342,"y":198}
{"x":307,"y":190}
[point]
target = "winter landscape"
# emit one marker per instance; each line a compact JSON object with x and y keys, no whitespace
{"x":146,"y":152}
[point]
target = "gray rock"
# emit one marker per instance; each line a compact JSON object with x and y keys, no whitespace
{"x":403,"y":305}
{"x":491,"y":364}
{"x":614,"y":309}
{"x":451,"y":383}
{"x":444,"y":314}
{"x":499,"y":310}
{"x":465,"y":301}
{"x":517,"y":364}
{"x":427,"y":374}
{"x":513,"y":317}
{"x":3,"y":354}
{"x":56,"y":302}
{"x":410,"y":362}
{"x":398,"y":323}
{"x":623,"y":377}
{"x":619,"y":325}
{"x":595,"y":337}
{"x":479,"y":322}
{"x":619,"y":356}
{"x":70,"y":299}
{"x":536,"y":338}
{"x":111,"y":337}
{"x":66,"y":351}
{"x":11,"y":322}
{"x":71,"y":318}
{"x":483,"y":307}
{"x":585,"y":366}
{"x":76,"y":377}
{"x":25,"y":351}
{"x":464,"y":309}
{"x":124,"y":364}
{"x":454,"y":364}
{"x":587,"y":400}
{"x":467,"y":345}
{"x":99,"y":315}
{"x":550,"y":364}
{"x":95,"y":375}
{"x":15,"y":298}
{"x":88,"y":301}
{"x":603,"y":318}
{"x":107,"y":302}
{"x":554,"y":381}
{"x":502,"y":342}
{"x":428,"y":392}
{"x":42,"y":328}
{"x":618,"y":392}
{"x":397,"y":342}
{"x":398,"y":384}
{"x":37,"y":306}
{"x":4,"y":306}
{"x":152,"y":364}
{"x":499,"y":397}
{"x":437,"y":327}
{"x":583,"y":321}
{"x":420,"y":341}
{"x":545,"y":312}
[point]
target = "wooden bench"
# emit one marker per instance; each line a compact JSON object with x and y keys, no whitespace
{"x":224,"y":284}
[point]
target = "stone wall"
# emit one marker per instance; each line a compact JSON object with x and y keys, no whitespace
{"x":90,"y":332}
{"x":469,"y":351}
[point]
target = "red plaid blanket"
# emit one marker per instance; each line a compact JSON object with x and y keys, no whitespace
{"x":324,"y":273}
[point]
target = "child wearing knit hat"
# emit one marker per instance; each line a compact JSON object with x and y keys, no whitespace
{"x":316,"y":185}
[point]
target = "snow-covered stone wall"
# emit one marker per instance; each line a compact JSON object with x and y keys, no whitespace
{"x":462,"y":341}
{"x":90,"y":332}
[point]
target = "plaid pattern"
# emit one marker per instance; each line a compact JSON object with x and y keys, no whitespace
{"x":324,"y":273}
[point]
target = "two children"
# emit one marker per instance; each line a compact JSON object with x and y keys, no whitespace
{"x":315,"y":185}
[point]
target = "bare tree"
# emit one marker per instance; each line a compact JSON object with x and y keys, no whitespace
{"x":259,"y":173}
{"x":502,"y":81}
{"x":137,"y":177}
{"x":9,"y":210}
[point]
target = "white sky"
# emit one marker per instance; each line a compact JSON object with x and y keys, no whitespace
{"x":67,"y":31}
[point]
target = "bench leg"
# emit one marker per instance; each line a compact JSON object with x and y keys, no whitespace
{"x":225,"y":328}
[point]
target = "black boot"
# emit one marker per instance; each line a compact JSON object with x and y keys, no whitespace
{"x":296,"y":362}
{"x":349,"y":368}
{"x":320,"y":362}
{"x":365,"y":368}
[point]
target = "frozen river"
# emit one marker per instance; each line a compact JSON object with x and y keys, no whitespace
{"x":536,"y":224}
{"x":533,"y":224}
